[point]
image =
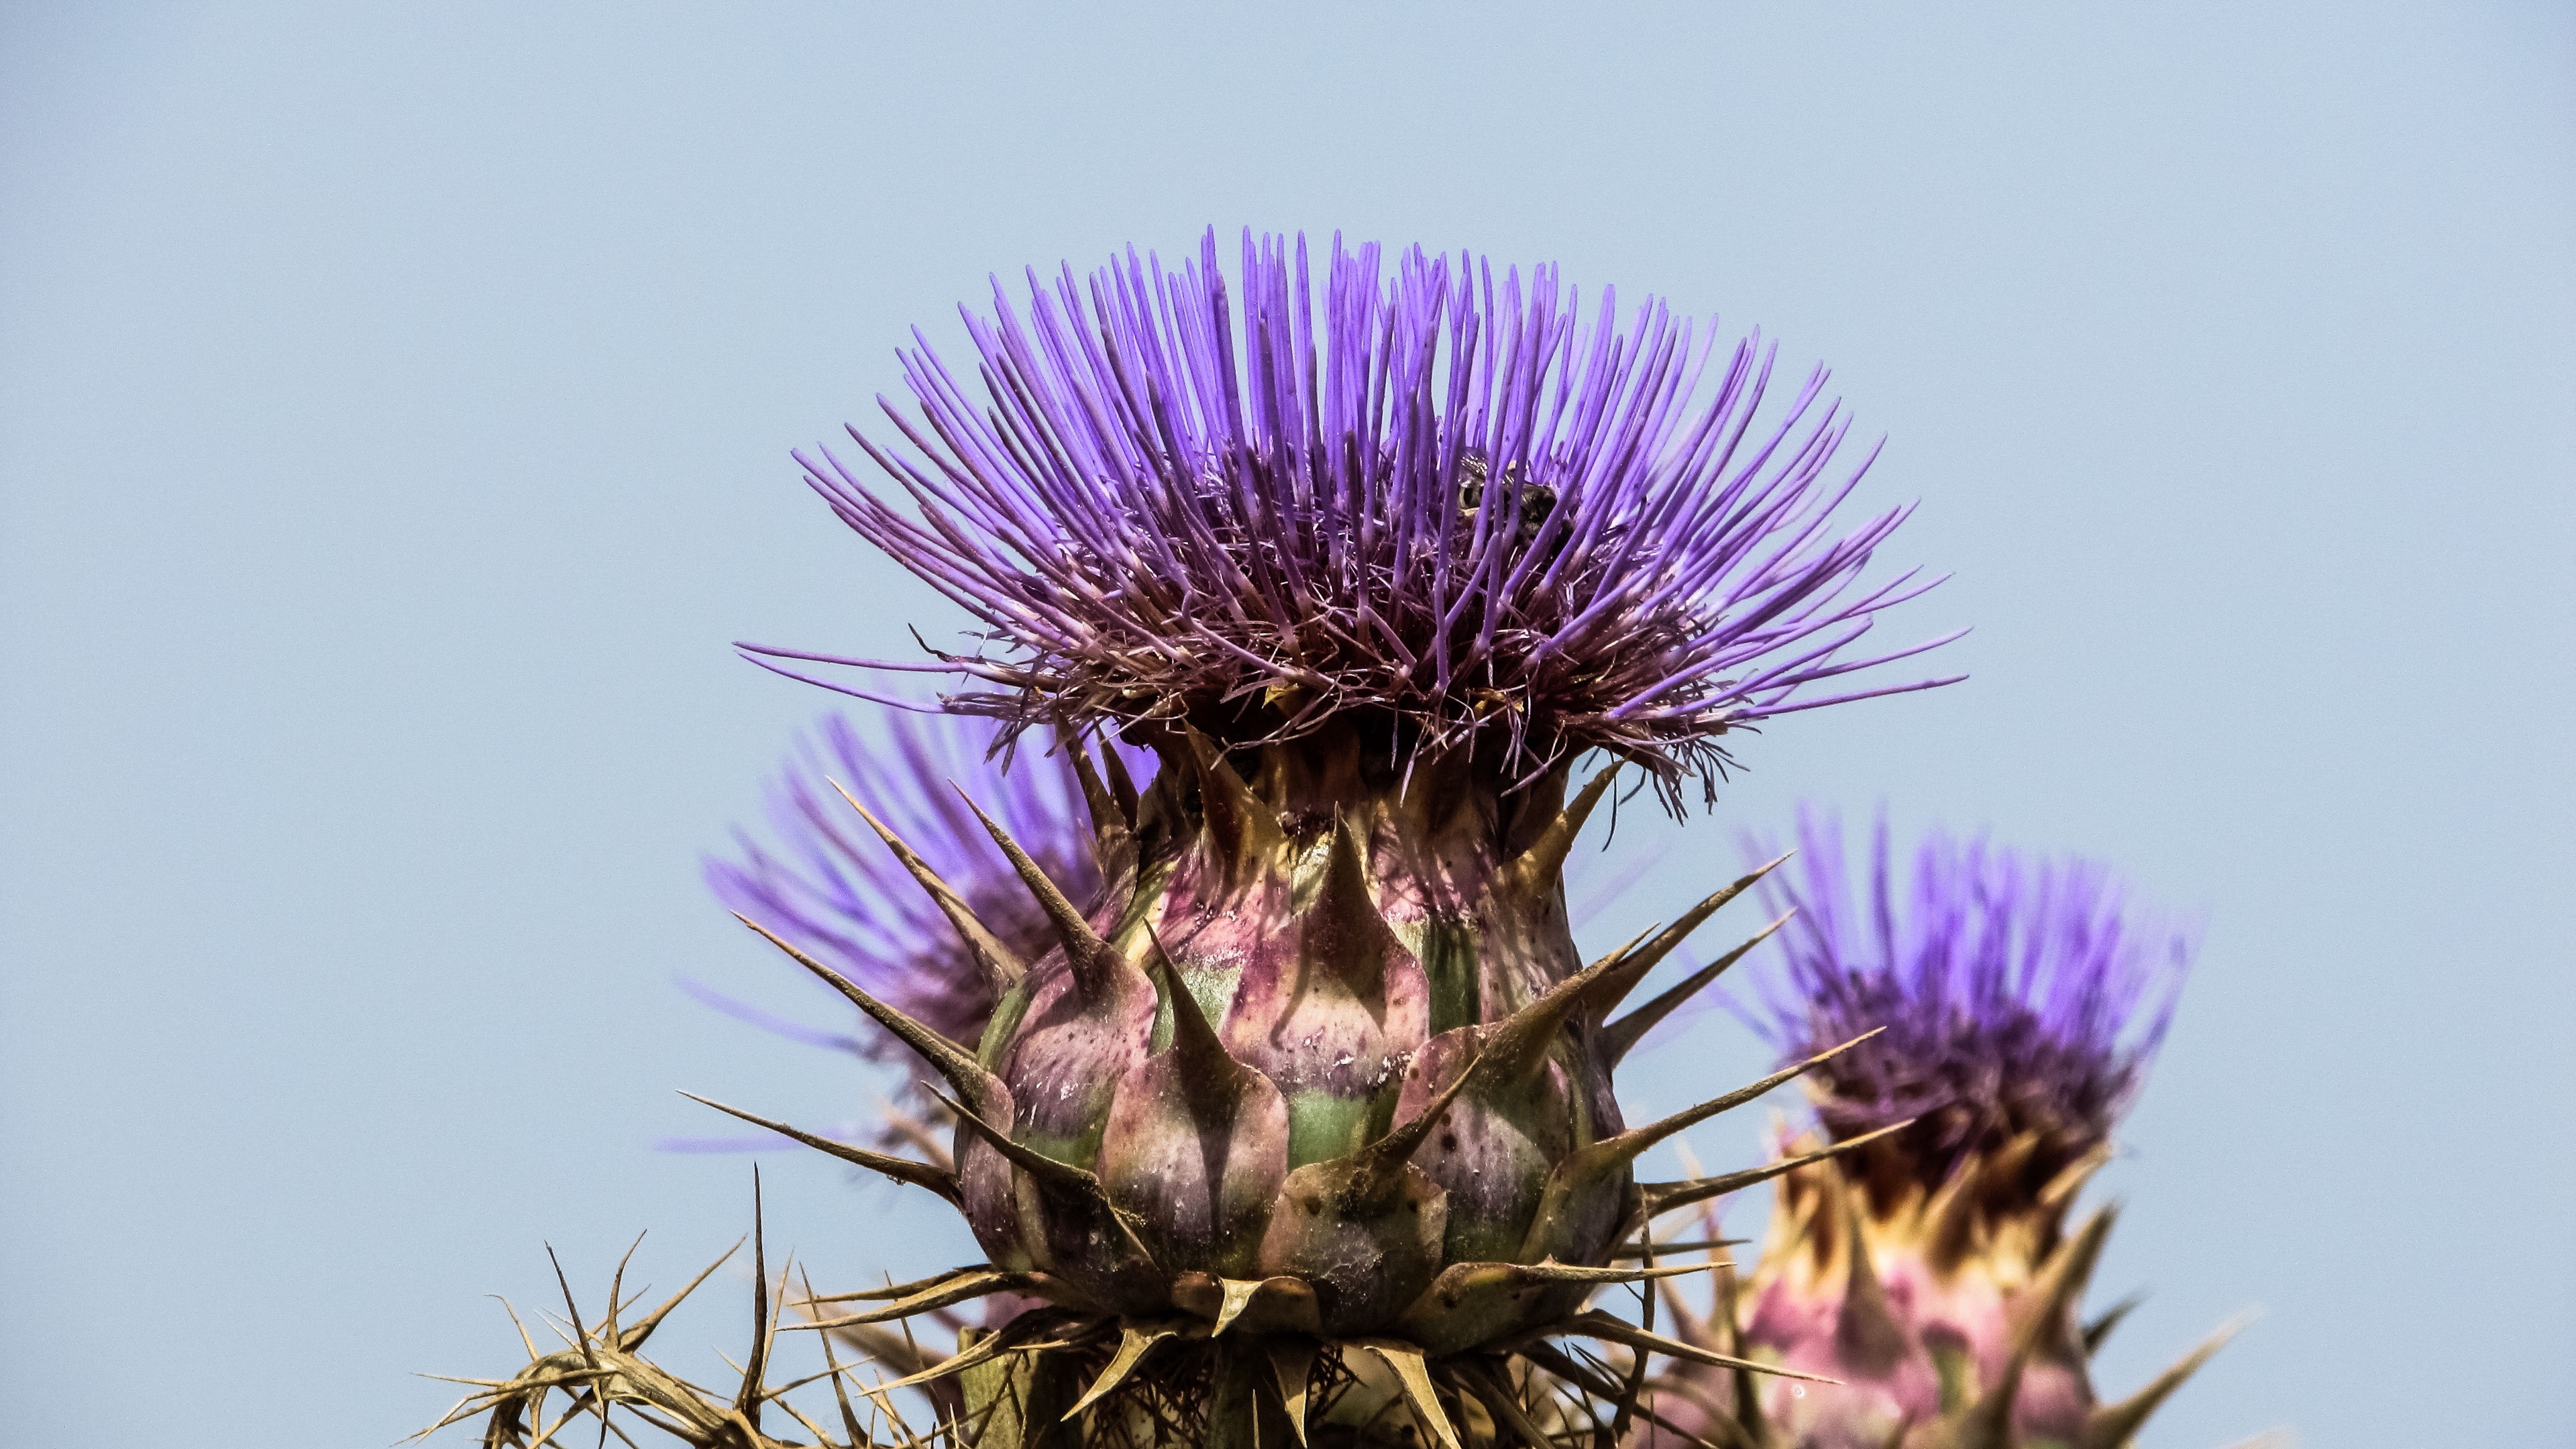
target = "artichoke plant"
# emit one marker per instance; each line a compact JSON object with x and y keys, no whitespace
{"x":1296,"y":1119}
{"x":1932,"y":1272}
{"x":1319,"y":1075}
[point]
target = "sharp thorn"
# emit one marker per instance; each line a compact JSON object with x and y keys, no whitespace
{"x":1192,"y":1033}
{"x":1134,"y":1342}
{"x":1113,"y":832}
{"x":1633,"y":968}
{"x":1413,"y":1376}
{"x":1237,"y":822}
{"x":1664,"y":1197}
{"x":1629,"y":1144}
{"x":1094,"y":961}
{"x":964,"y":1075}
{"x":2099,"y":1330}
{"x":1596,"y":1324}
{"x":1385,"y":1158}
{"x":756,"y":1374}
{"x":901,"y":1169}
{"x":1292,"y":1363}
{"x":998,"y":962}
{"x":958,"y":1289}
{"x":1237,"y":1296}
{"x":1544,"y":860}
{"x":635,"y":1336}
{"x":1621,"y":1036}
{"x":1866,"y":1328}
{"x":1045,"y":1169}
{"x":1122,"y":786}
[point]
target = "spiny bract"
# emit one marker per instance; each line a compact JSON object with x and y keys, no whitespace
{"x":1321,"y":1078}
{"x":822,"y":879}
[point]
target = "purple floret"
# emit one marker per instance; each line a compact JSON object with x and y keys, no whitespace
{"x":2019,"y":994}
{"x":832,"y":888}
{"x":1448,"y":501}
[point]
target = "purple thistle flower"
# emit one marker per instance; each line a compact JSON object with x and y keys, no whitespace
{"x":1447,"y":503}
{"x":2019,"y":995}
{"x":835,"y":889}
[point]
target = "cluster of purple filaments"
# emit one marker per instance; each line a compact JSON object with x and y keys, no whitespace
{"x":2018,"y":995}
{"x":1446,"y":500}
{"x":828,"y":883}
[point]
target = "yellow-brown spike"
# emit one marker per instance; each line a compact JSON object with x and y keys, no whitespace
{"x":1010,"y":1336}
{"x":2097,"y":1332}
{"x":1094,"y":961}
{"x":1292,"y":1363}
{"x":901,"y":1169}
{"x":1135,"y":1340}
{"x":1620,"y":1036}
{"x":899,"y":1290}
{"x":1599,"y":1325}
{"x":1544,"y":860}
{"x":961,"y":1289}
{"x":1659,"y":1198}
{"x":2061,"y":1189}
{"x":1586,"y":1169}
{"x":999,"y":963}
{"x":2111,"y":1426}
{"x":633,"y":1337}
{"x":1951,"y":1218}
{"x":1239,"y":825}
{"x":2062,"y":1280}
{"x":1633,"y":968}
{"x":965,"y":1076}
{"x":1413,"y":1378}
{"x":1113,"y":828}
{"x":1866,"y":1328}
{"x":2038,"y":1315}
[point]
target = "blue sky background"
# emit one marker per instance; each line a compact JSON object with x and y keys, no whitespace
{"x":394,"y":414}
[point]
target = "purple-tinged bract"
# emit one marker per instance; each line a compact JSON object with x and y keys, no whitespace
{"x":1444,"y":498}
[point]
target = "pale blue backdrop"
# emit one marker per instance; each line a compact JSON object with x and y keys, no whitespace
{"x":394,"y":414}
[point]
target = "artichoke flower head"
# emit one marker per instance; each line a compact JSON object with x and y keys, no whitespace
{"x":1306,"y":1094}
{"x":1933,"y":1271}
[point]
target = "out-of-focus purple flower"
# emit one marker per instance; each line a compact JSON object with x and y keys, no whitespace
{"x":2018,"y":994}
{"x":1930,"y":1273}
{"x":1444,"y":499}
{"x":825,"y":881}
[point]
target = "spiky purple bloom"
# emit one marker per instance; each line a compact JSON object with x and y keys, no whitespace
{"x":830,"y":885}
{"x":1322,"y":1064}
{"x":1446,"y":500}
{"x":2018,"y":1001}
{"x":2018,"y":994}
